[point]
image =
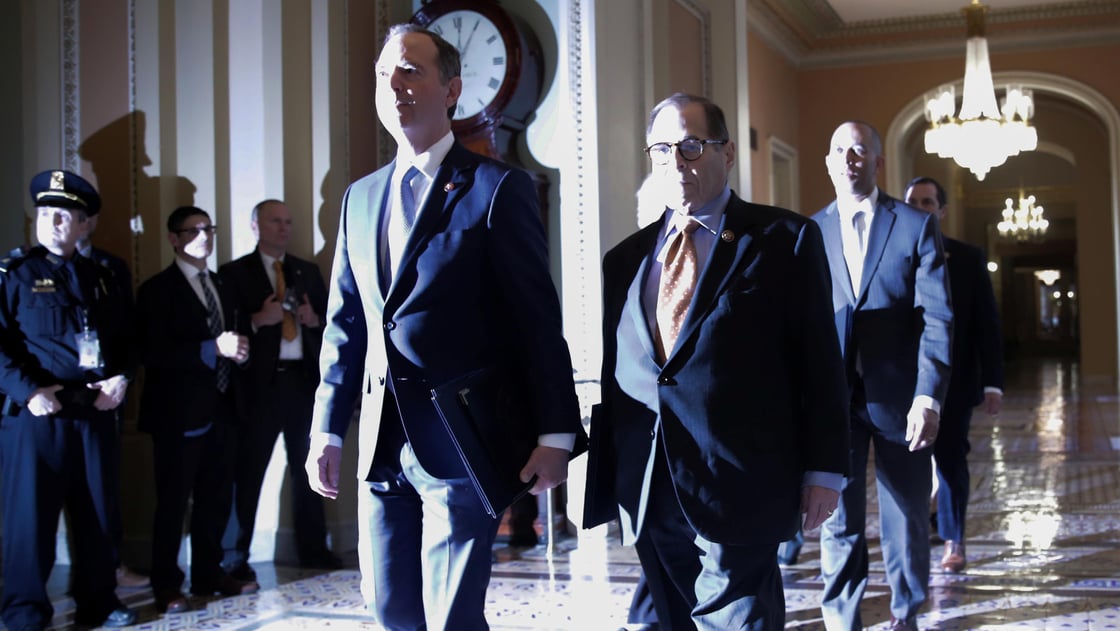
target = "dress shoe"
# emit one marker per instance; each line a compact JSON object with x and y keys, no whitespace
{"x":129,"y":579}
{"x":120,"y":617}
{"x":902,"y":625}
{"x":225,"y":585}
{"x":243,"y":572}
{"x":172,"y":601}
{"x":325,"y":560}
{"x":953,"y":561}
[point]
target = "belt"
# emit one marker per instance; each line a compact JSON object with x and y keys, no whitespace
{"x":289,"y":364}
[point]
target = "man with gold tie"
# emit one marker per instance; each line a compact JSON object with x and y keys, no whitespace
{"x":286,"y":298}
{"x":723,"y":421}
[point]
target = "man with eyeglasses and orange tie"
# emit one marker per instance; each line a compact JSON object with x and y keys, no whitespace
{"x":285,"y":297}
{"x":190,"y":347}
{"x":723,"y":421}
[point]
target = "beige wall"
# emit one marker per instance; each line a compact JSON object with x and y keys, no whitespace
{"x":774,"y":105}
{"x":876,"y":93}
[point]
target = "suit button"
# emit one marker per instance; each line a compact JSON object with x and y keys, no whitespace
{"x":666,"y":381}
{"x":389,"y":326}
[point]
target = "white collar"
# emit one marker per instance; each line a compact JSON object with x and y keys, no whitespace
{"x":849,"y":207}
{"x":428,"y":161}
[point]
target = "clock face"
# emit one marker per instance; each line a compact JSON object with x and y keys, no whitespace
{"x":484,"y":57}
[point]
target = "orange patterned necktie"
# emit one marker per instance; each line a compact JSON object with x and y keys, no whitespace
{"x":288,"y":325}
{"x":678,"y":280}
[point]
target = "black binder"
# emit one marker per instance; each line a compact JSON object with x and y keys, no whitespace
{"x":480,"y":423}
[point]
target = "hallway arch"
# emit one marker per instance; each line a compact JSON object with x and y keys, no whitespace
{"x":912,"y":115}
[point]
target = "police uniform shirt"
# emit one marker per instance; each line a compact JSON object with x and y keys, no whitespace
{"x":45,"y":302}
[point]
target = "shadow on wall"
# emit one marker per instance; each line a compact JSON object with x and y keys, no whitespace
{"x":118,"y":156}
{"x":328,"y":218}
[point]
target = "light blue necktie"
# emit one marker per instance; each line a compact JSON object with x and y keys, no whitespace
{"x":401,"y":226}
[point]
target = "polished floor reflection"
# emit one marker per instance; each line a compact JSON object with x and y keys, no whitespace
{"x":1043,"y":535}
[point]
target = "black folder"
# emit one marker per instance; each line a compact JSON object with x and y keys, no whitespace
{"x":480,"y":422}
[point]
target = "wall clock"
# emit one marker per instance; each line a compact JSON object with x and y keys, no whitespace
{"x":502,"y":69}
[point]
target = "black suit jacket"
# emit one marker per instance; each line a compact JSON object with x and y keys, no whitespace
{"x":247,"y":281}
{"x":977,"y":335}
{"x":180,"y":390}
{"x":751,"y":398}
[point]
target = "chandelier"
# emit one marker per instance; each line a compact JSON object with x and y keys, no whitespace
{"x":1023,"y":223}
{"x":983,"y":135}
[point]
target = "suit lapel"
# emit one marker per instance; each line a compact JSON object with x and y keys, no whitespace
{"x":642,"y":254}
{"x":881,"y":226}
{"x":183,"y":288}
{"x":452,"y":180}
{"x":834,"y":248}
{"x":376,"y":207}
{"x":260,"y":274}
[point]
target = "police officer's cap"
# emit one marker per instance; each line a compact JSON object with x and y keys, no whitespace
{"x":63,"y":189}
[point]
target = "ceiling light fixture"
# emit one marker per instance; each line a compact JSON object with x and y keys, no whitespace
{"x":1025,"y":222}
{"x":981,"y":136}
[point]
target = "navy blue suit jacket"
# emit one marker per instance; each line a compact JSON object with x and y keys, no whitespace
{"x":472,"y":290}
{"x":977,"y":335}
{"x":900,"y":324}
{"x":752,"y":396}
{"x":180,"y":390}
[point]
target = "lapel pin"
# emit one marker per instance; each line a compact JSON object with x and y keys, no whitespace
{"x":450,"y":186}
{"x":727,"y":235}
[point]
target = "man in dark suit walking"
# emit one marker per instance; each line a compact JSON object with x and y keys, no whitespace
{"x":890,"y":294}
{"x":441,"y":269}
{"x":977,"y":372}
{"x":723,"y":418}
{"x":286,"y":298}
{"x":189,"y":345}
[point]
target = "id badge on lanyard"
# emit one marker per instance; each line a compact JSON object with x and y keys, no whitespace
{"x":89,"y":346}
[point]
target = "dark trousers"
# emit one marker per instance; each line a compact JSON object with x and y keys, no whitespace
{"x":195,"y":470}
{"x":699,"y":584}
{"x":904,"y":483}
{"x":950,"y":451}
{"x":284,"y":407}
{"x":424,"y":545}
{"x":47,"y":463}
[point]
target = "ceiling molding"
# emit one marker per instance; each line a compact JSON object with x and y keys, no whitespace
{"x":812,"y":35}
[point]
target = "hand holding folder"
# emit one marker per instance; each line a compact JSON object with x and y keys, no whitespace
{"x":490,"y":433}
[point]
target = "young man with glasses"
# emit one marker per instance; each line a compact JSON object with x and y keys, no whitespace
{"x":190,"y":347}
{"x":723,"y":419}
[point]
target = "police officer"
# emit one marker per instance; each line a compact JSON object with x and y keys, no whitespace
{"x":64,"y":370}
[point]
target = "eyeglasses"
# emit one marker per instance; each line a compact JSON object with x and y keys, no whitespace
{"x":193,"y":232}
{"x":690,"y":148}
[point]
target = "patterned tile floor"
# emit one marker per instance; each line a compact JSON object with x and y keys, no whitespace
{"x":1044,"y":544}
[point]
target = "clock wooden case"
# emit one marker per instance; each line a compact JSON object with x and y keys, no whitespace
{"x":502,"y":71}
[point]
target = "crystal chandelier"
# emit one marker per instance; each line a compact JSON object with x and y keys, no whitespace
{"x":982,"y":136}
{"x":1023,"y":223}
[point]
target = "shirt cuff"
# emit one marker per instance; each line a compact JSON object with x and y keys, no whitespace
{"x":324,"y":439}
{"x":926,"y":402}
{"x":559,"y":441}
{"x":827,"y":479}
{"x":993,"y":390}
